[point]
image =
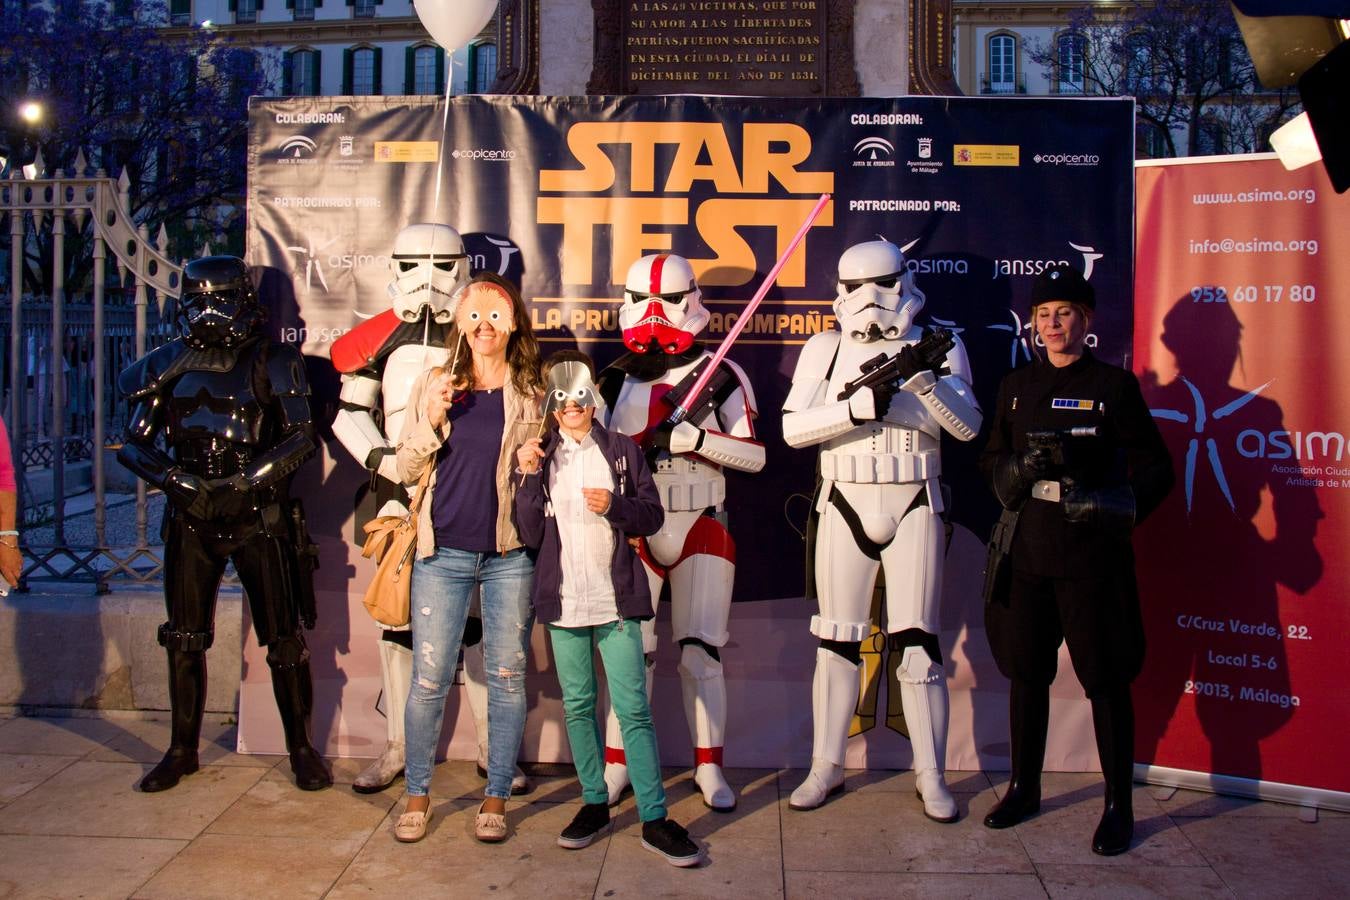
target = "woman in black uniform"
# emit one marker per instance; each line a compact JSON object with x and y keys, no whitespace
{"x":1076,"y":461}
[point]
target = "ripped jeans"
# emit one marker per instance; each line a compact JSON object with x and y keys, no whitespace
{"x":442,"y":589}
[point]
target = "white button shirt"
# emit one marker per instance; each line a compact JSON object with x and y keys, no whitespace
{"x":587,"y":538}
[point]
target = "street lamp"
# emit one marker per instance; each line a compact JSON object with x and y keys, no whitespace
{"x":30,"y":114}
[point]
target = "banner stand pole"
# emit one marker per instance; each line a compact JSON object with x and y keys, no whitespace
{"x":1295,"y":794}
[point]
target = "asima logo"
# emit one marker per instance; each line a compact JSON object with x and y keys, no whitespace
{"x":1199,"y":418}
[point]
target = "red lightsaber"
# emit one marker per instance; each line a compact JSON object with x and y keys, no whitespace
{"x":678,"y":414}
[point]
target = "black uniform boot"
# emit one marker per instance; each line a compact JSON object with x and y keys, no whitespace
{"x":1113,"y":720}
{"x":295,"y":695}
{"x":187,"y":702}
{"x":1029,"y":716}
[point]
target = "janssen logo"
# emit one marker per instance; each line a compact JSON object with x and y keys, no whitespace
{"x":1032,"y":266}
{"x":297,"y":150}
{"x":874,"y":151}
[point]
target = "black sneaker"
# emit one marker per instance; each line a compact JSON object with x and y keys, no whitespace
{"x":586,"y":826}
{"x":671,"y":841}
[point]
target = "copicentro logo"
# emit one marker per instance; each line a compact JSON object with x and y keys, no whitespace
{"x":482,"y":153}
{"x":297,"y":150}
{"x":874,"y":151}
{"x":1067,"y":159}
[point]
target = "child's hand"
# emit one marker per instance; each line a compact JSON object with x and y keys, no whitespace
{"x":597,"y":500}
{"x":529,"y":454}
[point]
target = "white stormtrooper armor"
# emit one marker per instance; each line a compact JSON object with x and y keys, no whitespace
{"x":379,"y":360}
{"x":661,"y":315}
{"x":880,"y":505}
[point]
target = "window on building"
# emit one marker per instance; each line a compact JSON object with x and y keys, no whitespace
{"x":180,"y":12}
{"x":182,"y":74}
{"x":361,"y":71}
{"x":300,"y":73}
{"x":1150,"y":142}
{"x":245,"y":11}
{"x":1211,"y":139}
{"x":424,"y":70}
{"x":363,"y":9}
{"x":302,"y":10}
{"x":1002,"y":64}
{"x":245,"y":70}
{"x":1138,"y":65}
{"x":123,"y":11}
{"x":482,"y":66}
{"x":1069,"y":63}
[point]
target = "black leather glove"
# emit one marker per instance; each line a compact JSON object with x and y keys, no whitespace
{"x":1016,"y":472}
{"x":910,"y":363}
{"x":189,"y":493}
{"x":1109,"y":508}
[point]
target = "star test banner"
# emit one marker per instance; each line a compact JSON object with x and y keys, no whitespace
{"x":1241,"y":322}
{"x":562,"y":194}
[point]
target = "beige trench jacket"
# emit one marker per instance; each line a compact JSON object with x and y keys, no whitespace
{"x":418,"y":443}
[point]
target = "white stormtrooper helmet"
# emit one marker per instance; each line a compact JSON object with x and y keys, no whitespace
{"x":429,"y":265}
{"x":661,"y":303}
{"x":876,"y":294}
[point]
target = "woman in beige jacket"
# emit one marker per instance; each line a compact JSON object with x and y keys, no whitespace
{"x":465,"y":422}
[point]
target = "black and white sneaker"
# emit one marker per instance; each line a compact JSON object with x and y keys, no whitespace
{"x":671,"y":841}
{"x":587,"y":825}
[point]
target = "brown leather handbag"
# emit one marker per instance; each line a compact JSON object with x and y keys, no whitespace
{"x":392,"y":542}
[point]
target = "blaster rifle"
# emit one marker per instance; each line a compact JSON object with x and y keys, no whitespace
{"x":1052,"y":440}
{"x":929,"y":352}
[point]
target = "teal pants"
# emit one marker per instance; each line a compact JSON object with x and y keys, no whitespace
{"x":620,"y":645}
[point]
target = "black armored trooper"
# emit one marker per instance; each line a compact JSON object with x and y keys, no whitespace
{"x":232,"y":408}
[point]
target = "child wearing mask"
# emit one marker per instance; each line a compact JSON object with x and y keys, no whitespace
{"x":584,"y":490}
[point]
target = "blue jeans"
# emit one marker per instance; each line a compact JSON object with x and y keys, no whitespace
{"x":442,"y":587}
{"x":620,"y":646}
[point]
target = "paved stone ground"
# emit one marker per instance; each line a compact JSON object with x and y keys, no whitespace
{"x":72,"y":825}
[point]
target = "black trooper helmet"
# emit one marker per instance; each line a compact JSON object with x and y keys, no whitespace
{"x":218,"y":306}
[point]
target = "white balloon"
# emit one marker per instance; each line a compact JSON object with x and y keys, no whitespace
{"x":454,"y":22}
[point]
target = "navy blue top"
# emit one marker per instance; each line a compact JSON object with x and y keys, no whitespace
{"x":464,"y":503}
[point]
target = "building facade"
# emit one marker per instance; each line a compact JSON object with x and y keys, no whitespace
{"x":344,"y":47}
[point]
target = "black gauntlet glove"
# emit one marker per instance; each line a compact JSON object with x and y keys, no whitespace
{"x":1017,"y":472}
{"x":1111,"y":509}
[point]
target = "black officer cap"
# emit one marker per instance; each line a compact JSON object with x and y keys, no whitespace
{"x":1063,"y":282}
{"x":215,"y":274}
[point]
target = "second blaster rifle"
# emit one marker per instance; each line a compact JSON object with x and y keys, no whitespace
{"x":929,"y":352}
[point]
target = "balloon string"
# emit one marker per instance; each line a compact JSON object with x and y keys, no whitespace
{"x":445,"y":123}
